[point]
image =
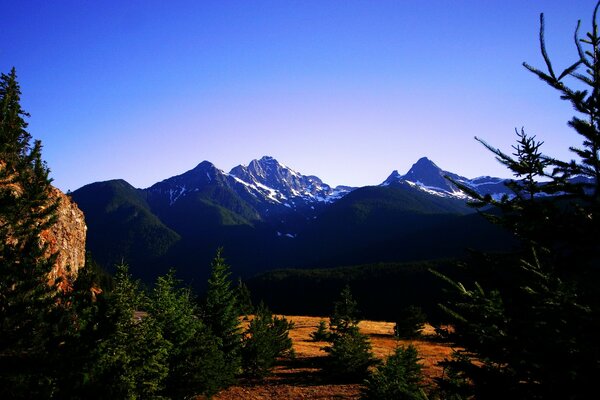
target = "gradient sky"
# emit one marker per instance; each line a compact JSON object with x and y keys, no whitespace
{"x":346,"y":90}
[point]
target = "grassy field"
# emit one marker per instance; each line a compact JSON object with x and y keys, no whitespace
{"x":301,"y":378}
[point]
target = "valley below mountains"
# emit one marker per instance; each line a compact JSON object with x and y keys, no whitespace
{"x":266,"y":216}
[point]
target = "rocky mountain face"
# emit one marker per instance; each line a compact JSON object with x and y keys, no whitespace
{"x":266,"y":215}
{"x":268,"y":178}
{"x":428,"y":177}
{"x":268,"y":190}
{"x":66,"y":239}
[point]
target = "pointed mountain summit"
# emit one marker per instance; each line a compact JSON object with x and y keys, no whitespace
{"x":393,"y":178}
{"x":204,"y":174}
{"x":427,"y":174}
{"x":281,"y":184}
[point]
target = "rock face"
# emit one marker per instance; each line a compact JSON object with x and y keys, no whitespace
{"x":66,"y":238}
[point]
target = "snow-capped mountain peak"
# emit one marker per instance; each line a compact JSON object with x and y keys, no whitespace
{"x":281,"y":184}
{"x":427,"y":176}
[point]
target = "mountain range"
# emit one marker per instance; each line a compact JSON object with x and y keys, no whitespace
{"x":267,"y":215}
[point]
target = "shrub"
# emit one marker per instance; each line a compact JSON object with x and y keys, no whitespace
{"x":321,"y":334}
{"x":350,"y":356}
{"x":400,"y":377}
{"x":409,"y":323}
{"x":266,"y":339}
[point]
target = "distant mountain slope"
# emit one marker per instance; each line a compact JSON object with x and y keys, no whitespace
{"x":395,"y":223}
{"x":428,"y":177}
{"x":266,"y":215}
{"x":121,"y":225}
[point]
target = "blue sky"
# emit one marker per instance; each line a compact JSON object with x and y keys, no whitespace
{"x":346,"y":90}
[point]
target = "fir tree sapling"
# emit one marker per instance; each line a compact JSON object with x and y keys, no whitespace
{"x":409,"y":323}
{"x":266,"y":339}
{"x":196,"y":365}
{"x":349,"y":355}
{"x":399,"y":378}
{"x":321,"y":334}
{"x":221,"y":313}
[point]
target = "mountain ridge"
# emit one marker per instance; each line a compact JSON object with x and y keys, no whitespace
{"x":266,"y":215}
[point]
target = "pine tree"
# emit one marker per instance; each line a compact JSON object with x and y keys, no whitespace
{"x":266,"y":339}
{"x":349,"y":355}
{"x":221,"y":313}
{"x":321,"y":334}
{"x":399,"y":378}
{"x":80,"y":333}
{"x":244,"y":298}
{"x":196,"y":365}
{"x":131,"y":356}
{"x":527,"y":326}
{"x":28,"y":301}
{"x":409,"y":323}
{"x":345,"y":313}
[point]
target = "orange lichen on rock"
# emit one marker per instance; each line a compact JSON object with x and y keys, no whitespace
{"x":66,"y":239}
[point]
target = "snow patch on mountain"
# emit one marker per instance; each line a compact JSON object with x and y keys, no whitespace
{"x":425,"y":175}
{"x":283,"y":185}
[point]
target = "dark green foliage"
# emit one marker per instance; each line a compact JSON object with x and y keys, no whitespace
{"x":349,"y":356}
{"x":399,"y":378}
{"x":345,"y":314}
{"x":29,"y":307}
{"x":196,"y":365}
{"x":321,"y":334}
{"x":529,"y":326}
{"x":83,"y":325}
{"x":130,"y":360}
{"x":266,"y":339}
{"x":244,"y":298}
{"x":381,"y":289}
{"x":410,"y":322}
{"x":121,"y":226}
{"x":221,"y":313}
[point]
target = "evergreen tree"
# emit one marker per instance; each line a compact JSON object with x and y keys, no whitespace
{"x":244,"y":298}
{"x":321,"y":334}
{"x":399,"y":378}
{"x":80,"y":334}
{"x":349,"y":355}
{"x":28,"y":301}
{"x":409,"y":323}
{"x":266,"y":339}
{"x":131,"y":356}
{"x":221,"y":313}
{"x":196,"y":365}
{"x":345,"y":313}
{"x":527,"y":327}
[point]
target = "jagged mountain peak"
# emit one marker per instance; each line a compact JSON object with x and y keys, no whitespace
{"x":281,"y":184}
{"x":427,"y":176}
{"x":424,"y":168}
{"x":394,"y":177}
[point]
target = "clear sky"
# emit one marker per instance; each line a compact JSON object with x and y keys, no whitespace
{"x":346,"y":90}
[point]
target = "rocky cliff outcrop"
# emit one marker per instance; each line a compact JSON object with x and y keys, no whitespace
{"x":66,"y":238}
